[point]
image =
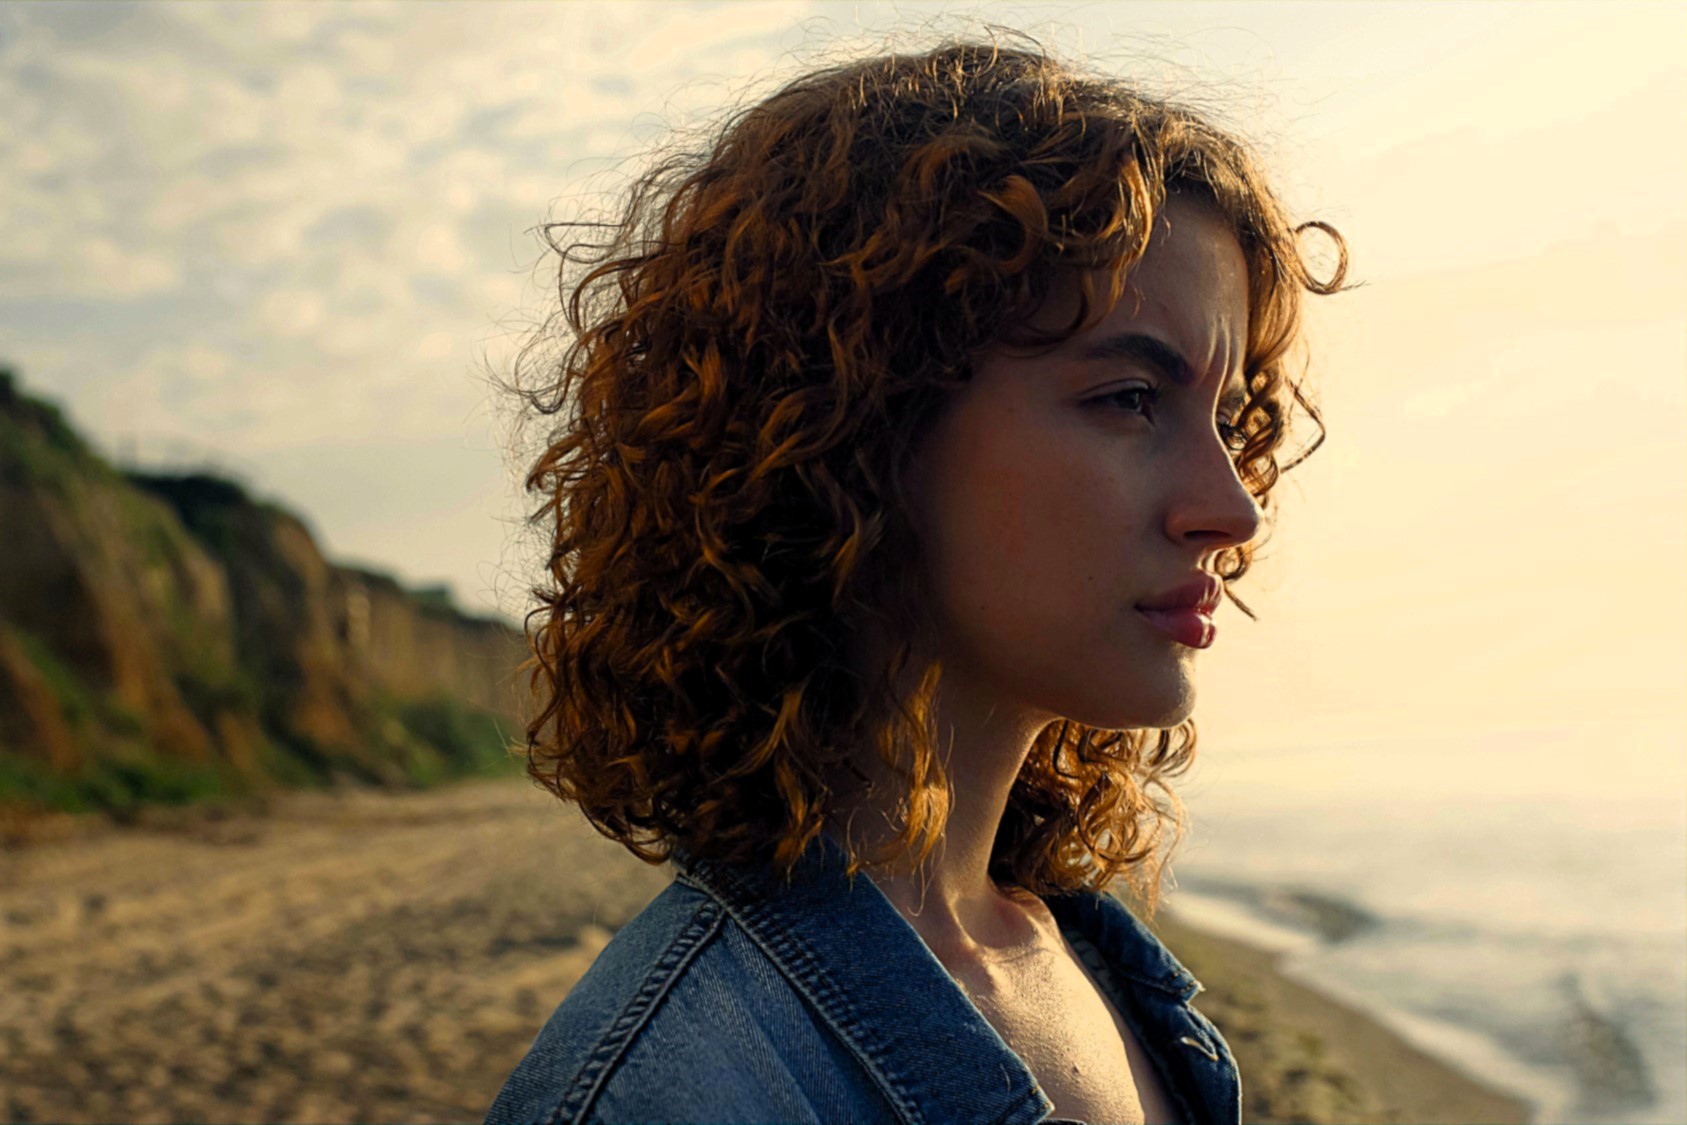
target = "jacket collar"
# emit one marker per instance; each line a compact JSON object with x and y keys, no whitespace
{"x":859,"y":962}
{"x":1130,"y":947}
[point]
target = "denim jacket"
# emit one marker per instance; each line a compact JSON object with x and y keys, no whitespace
{"x":736,"y":997}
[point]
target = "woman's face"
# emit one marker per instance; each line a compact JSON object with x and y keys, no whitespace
{"x":1060,"y":490}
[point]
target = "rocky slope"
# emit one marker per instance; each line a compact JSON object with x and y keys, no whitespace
{"x":166,"y":638}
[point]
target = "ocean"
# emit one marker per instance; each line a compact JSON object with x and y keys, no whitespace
{"x":1514,"y":902}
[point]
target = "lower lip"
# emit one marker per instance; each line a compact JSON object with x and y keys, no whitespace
{"x":1185,"y":626}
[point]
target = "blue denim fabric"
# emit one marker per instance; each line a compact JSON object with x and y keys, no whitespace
{"x":736,"y":997}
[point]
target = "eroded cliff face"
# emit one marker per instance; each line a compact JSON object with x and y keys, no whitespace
{"x":412,"y":646}
{"x":161,"y":624}
{"x":105,"y":598}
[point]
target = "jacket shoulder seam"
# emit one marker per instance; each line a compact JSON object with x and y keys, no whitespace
{"x":594,"y":1074}
{"x":791,"y":958}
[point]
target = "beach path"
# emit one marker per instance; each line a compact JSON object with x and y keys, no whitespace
{"x":363,"y":956}
{"x":350,"y":956}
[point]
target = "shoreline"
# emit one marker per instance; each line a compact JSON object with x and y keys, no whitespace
{"x":1307,"y":1056}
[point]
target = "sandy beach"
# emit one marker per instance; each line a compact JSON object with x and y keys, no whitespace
{"x":357,"y":956}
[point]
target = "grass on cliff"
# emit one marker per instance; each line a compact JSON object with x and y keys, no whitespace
{"x":37,"y":442}
{"x":453,"y":740}
{"x":419,"y":744}
{"x":118,"y":787}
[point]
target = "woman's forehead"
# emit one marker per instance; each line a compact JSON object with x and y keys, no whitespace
{"x":1189,"y":289}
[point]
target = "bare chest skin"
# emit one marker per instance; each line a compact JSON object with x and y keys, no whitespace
{"x":1055,"y":1017}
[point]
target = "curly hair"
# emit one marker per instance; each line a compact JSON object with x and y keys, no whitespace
{"x":749,"y":359}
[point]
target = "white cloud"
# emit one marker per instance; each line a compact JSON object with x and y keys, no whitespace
{"x":94,"y":266}
{"x":435,"y":249}
{"x":439,"y":345}
{"x":123,"y":271}
{"x":290,"y":312}
{"x":278,"y":224}
{"x":197,"y":363}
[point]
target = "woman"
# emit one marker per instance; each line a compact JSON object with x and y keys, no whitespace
{"x":906,"y":438}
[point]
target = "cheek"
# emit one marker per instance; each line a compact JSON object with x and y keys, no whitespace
{"x":1031,"y":535}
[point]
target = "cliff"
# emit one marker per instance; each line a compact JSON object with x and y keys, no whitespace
{"x":167,"y":638}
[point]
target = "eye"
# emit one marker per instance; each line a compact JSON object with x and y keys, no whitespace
{"x":1142,"y":400}
{"x":1137,"y":400}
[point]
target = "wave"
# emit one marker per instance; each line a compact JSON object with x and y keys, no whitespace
{"x":1330,"y":918}
{"x":1551,"y":1034}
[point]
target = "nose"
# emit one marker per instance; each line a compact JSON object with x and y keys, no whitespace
{"x":1213,"y":510}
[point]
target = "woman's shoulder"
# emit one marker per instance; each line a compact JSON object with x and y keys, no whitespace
{"x":681,"y":1009}
{"x":735,"y":995}
{"x":581,"y":1040}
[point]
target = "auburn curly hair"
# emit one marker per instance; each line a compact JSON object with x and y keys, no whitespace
{"x":746,"y":363}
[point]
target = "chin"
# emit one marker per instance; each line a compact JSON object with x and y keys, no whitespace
{"x":1137,"y":714}
{"x":1165,"y":721}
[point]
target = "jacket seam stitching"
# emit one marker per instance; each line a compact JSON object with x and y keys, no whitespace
{"x":821,"y":996}
{"x":1209,"y":1031}
{"x":1177,"y":990}
{"x":594,"y":1074}
{"x":1162,"y":1064}
{"x":1175,"y":981}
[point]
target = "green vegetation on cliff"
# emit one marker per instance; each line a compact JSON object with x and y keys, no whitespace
{"x":35,"y":439}
{"x":171,"y":639}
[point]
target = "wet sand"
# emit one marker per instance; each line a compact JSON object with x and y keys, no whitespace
{"x":375,"y":957}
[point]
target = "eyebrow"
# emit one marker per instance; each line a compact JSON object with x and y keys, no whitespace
{"x":1159,"y":355}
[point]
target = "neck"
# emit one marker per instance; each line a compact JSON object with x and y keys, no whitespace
{"x":950,"y":898}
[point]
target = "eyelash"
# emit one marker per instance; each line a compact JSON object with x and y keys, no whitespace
{"x":1233,"y":437}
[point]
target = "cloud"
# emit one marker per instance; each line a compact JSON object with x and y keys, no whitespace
{"x":291,"y":312}
{"x":279,"y":237}
{"x":321,"y":216}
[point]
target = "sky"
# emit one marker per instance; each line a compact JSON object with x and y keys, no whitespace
{"x":291,"y":242}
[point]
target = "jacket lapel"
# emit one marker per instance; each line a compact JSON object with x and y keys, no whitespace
{"x":1199,"y":1060}
{"x":874,"y":982}
{"x":878,"y":987}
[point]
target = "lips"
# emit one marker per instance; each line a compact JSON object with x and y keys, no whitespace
{"x":1184,"y":613}
{"x":1189,"y":627}
{"x":1200,"y":593}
